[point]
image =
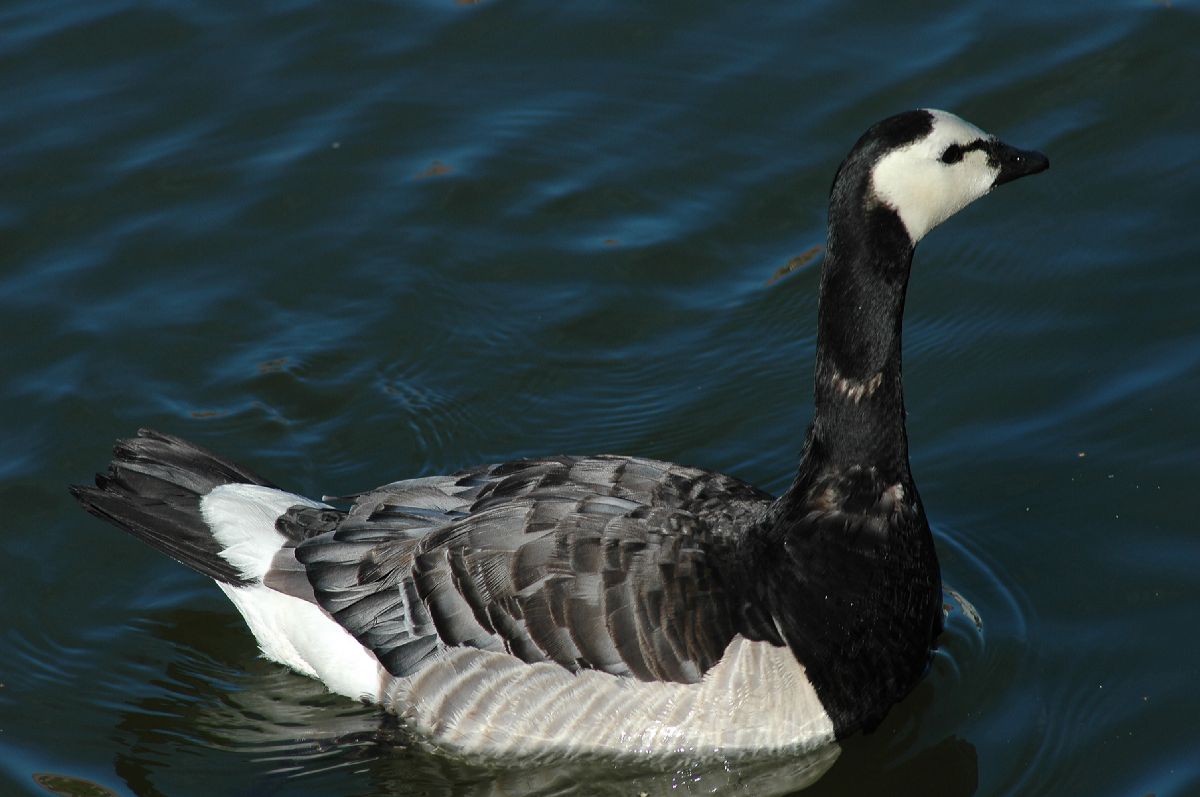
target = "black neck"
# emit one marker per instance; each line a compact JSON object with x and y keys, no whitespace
{"x":843,"y":566}
{"x":851,"y":525}
{"x":859,"y":396}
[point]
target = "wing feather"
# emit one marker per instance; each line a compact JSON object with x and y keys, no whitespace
{"x":610,"y":563}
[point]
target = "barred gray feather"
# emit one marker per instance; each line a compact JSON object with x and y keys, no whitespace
{"x":609,"y":563}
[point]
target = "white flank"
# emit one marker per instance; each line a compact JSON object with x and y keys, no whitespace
{"x":923,"y":190}
{"x":299,"y":635}
{"x":289,"y":630}
{"x":757,"y":700}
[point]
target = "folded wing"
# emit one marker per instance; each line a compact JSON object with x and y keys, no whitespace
{"x":616,"y":564}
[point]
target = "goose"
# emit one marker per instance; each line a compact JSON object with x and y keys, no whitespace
{"x":617,"y":606}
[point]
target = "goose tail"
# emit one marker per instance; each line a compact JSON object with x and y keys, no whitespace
{"x":156,"y":488}
{"x":224,"y":521}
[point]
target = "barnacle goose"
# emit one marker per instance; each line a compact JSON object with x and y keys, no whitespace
{"x":614,"y":605}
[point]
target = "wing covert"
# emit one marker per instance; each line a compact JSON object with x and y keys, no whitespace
{"x":610,"y":563}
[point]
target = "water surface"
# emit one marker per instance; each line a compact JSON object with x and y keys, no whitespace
{"x":351,"y":243}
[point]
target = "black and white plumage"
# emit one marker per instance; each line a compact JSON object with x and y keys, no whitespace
{"x":616,"y":605}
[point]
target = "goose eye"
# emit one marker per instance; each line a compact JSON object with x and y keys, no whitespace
{"x":953,"y":154}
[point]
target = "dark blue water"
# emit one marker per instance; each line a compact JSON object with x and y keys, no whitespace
{"x":357,"y":242}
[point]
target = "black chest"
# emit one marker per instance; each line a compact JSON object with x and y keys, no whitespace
{"x":850,"y":580}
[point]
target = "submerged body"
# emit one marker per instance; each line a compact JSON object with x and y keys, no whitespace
{"x":613,"y":605}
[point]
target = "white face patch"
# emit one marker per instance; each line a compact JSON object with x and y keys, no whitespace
{"x":925,"y":190}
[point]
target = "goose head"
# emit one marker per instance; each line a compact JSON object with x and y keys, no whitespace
{"x":904,"y":176}
{"x":926,"y":165}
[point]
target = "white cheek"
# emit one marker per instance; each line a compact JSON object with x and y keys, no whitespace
{"x":924,"y":191}
{"x":908,"y":183}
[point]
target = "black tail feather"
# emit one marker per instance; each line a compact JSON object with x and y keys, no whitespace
{"x":153,"y":489}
